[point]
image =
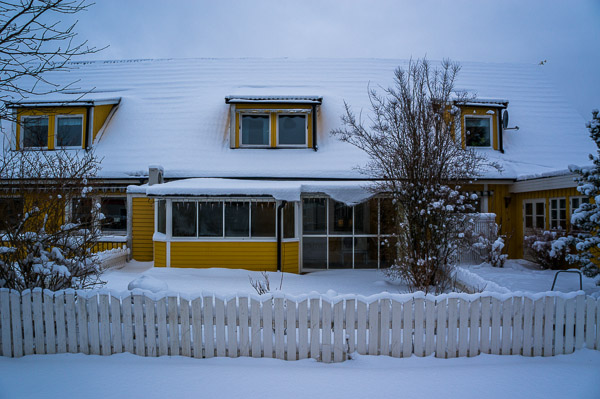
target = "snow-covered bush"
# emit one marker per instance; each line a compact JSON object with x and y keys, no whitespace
{"x":39,"y":245}
{"x":587,"y":216}
{"x":490,"y":247}
{"x":417,"y":161}
{"x":548,"y":248}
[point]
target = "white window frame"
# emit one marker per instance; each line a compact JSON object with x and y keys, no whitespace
{"x":379,"y":236}
{"x":241,"y":117}
{"x":56,"y":118}
{"x":305,"y":145}
{"x":580,"y":198}
{"x":223,"y":237}
{"x":534,"y":215}
{"x":558,"y":219}
{"x":492,"y":133}
{"x":22,"y":131}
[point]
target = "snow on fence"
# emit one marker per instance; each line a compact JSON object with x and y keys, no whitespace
{"x":277,"y":326}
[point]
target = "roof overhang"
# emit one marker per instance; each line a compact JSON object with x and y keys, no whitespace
{"x":275,"y":99}
{"x":67,"y":103}
{"x":483,"y":102}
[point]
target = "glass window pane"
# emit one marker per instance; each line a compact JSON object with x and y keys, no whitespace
{"x":115,"y":214}
{"x":237,"y":219}
{"x":81,"y":210}
{"x":314,"y":216}
{"x":365,"y":217}
{"x":539,"y":208}
{"x":340,"y":217}
{"x":69,"y":131}
{"x":340,"y":252}
{"x":365,"y":253}
{"x":184,"y":219}
{"x":162,"y":217}
{"x":35,"y":132}
{"x":477,"y":132}
{"x":289,"y":219}
{"x":388,"y":216}
{"x":263,"y":219}
{"x":387,"y":248}
{"x":563,"y":203}
{"x":10,"y":211}
{"x":255,"y":129}
{"x":528,"y":222}
{"x":539,"y":222}
{"x":529,"y":209}
{"x":210,"y":219}
{"x":292,"y":129}
{"x":314,"y":252}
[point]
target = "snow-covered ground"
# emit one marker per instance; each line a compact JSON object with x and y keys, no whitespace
{"x":234,"y":281}
{"x":515,"y":276}
{"x":523,"y":276}
{"x":129,"y":376}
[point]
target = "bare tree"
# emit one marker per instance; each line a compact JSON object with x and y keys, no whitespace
{"x":48,"y":220}
{"x":33,"y":43}
{"x":419,"y":160}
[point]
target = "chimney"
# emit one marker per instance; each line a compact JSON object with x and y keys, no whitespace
{"x":155,"y":174}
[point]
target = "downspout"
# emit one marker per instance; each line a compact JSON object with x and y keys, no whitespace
{"x":314,"y":126}
{"x":279,"y":233}
{"x":500,"y":122}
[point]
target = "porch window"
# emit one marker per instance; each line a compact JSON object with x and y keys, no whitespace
{"x":184,"y":219}
{"x":210,"y":219}
{"x":161,"y":223}
{"x":263,"y":219}
{"x":237,"y":218}
{"x":34,"y":132}
{"x":336,"y":235}
{"x":478,"y":131}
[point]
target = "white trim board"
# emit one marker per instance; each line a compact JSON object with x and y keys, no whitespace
{"x":543,"y":183}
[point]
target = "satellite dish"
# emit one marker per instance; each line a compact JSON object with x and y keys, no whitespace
{"x":505,"y":119}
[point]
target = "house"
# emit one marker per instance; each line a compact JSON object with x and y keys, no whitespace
{"x":230,"y":163}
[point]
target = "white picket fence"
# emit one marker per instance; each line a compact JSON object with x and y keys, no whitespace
{"x":295,"y":328}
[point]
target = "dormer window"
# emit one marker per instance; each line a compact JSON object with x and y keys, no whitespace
{"x":478,"y":131}
{"x":69,"y":131}
{"x":273,"y":121}
{"x":255,"y":130}
{"x":291,"y":130}
{"x":35,"y":132}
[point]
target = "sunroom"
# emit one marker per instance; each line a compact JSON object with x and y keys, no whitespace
{"x":294,"y":226}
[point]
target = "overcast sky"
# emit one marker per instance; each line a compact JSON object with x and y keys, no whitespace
{"x":565,"y":33}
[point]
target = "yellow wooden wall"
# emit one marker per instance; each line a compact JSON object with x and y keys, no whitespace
{"x":142,"y":219}
{"x":256,"y":256}
{"x":100,"y":114}
{"x":160,"y":254}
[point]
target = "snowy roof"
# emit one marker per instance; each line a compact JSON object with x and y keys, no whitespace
{"x":349,"y":192}
{"x":172,"y":113}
